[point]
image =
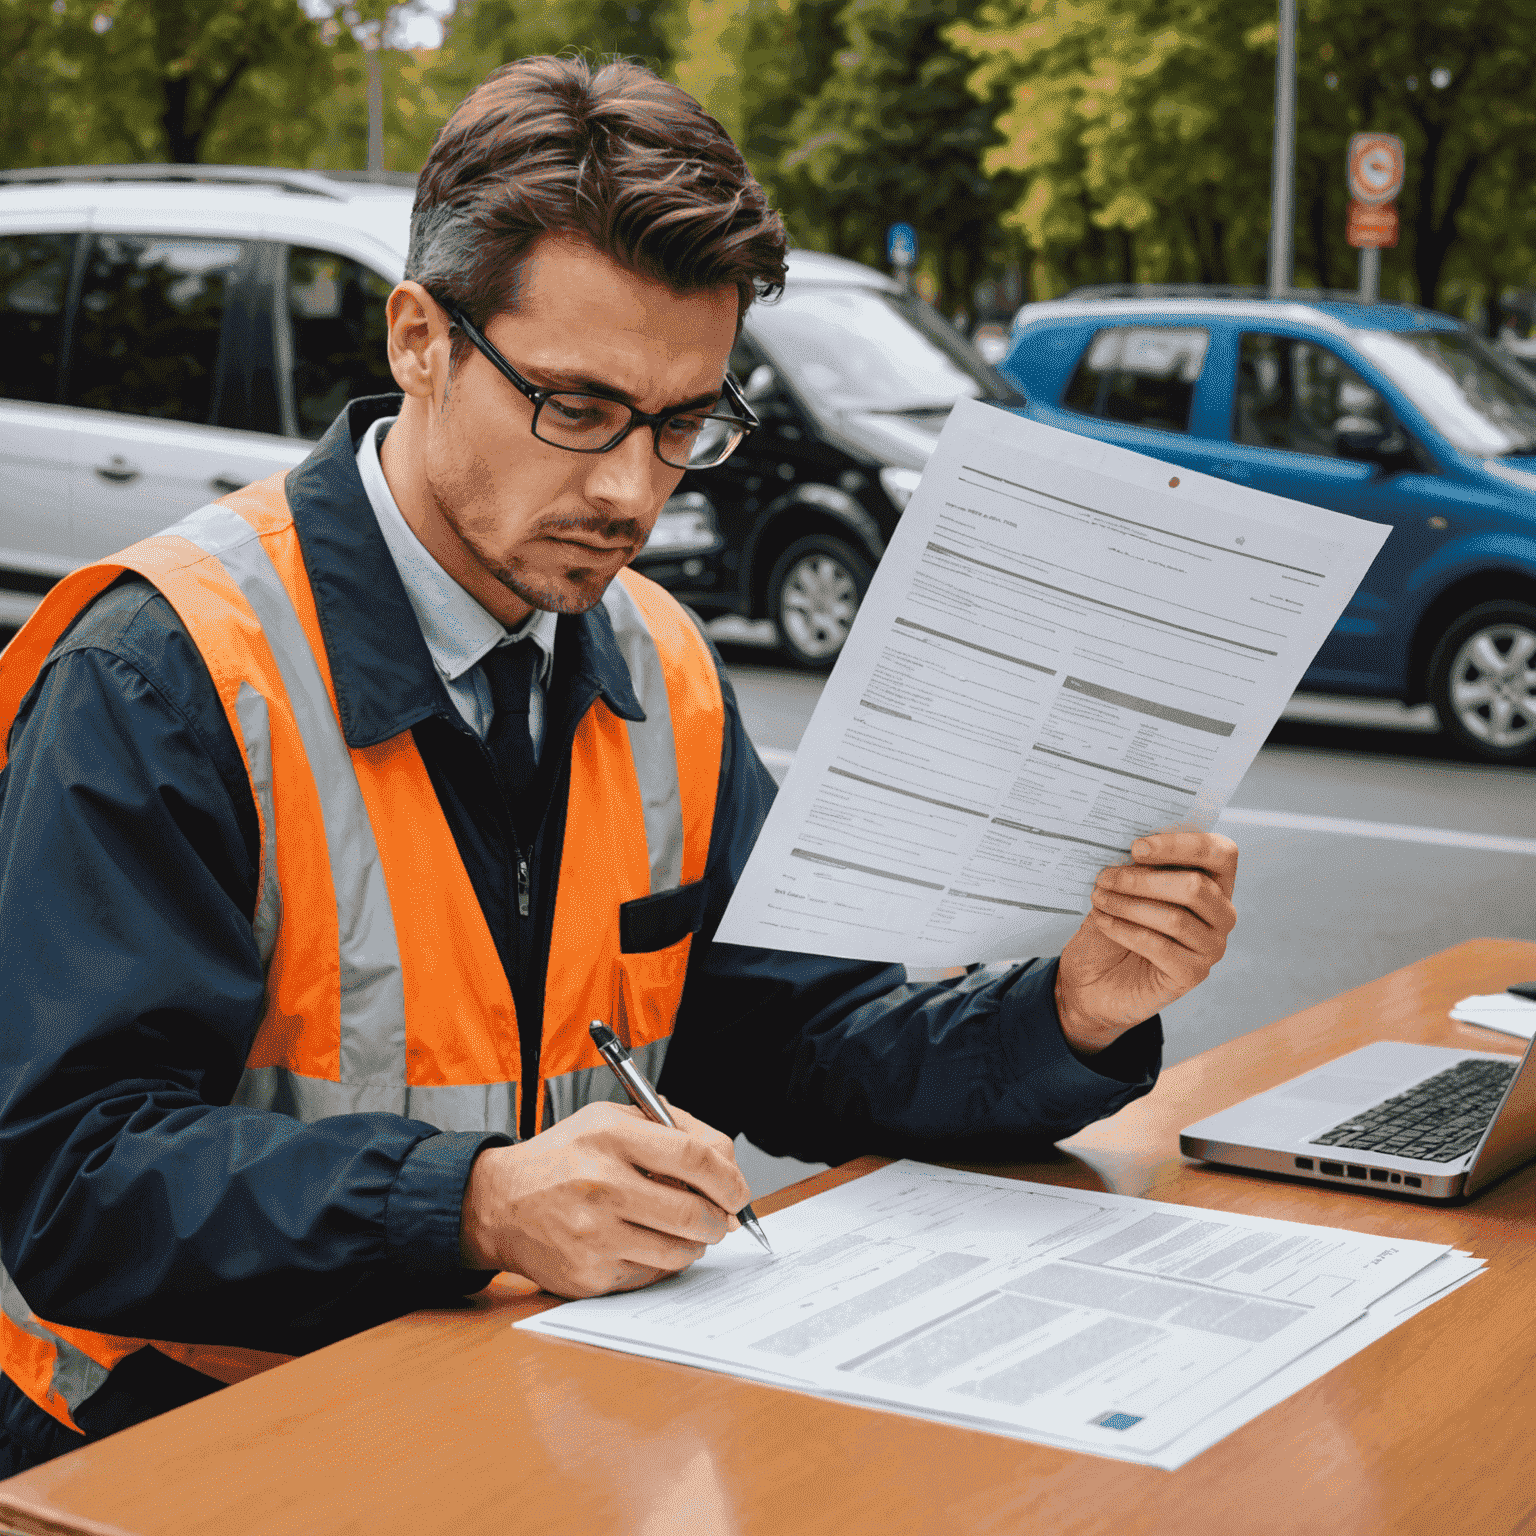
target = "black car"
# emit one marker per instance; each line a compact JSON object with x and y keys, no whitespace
{"x":853,"y":379}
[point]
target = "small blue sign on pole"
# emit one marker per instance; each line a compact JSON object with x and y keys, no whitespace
{"x":901,"y":245}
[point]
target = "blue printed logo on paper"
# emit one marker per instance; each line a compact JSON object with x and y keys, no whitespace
{"x":901,"y":245}
{"x":1118,"y":1420}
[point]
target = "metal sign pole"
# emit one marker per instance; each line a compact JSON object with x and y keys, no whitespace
{"x":1283,"y":185}
{"x":1370,"y":274}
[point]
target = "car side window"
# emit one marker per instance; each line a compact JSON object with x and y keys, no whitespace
{"x":338,"y":330}
{"x":1141,"y":374}
{"x":34,"y":283}
{"x":1300,"y":396}
{"x":148,"y":325}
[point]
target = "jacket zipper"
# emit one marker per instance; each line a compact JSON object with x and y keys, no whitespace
{"x":524,"y":886}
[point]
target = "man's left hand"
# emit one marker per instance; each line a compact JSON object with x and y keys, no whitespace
{"x":1157,"y":927}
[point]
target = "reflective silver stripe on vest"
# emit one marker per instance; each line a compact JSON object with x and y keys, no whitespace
{"x":373,"y":1057}
{"x":650,"y":740}
{"x":468,"y":1107}
{"x":565,"y":1094}
{"x":256,"y":731}
{"x":372,"y":997}
{"x":75,"y":1374}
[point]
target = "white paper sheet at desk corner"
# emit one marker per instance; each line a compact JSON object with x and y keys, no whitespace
{"x":1065,"y":645}
{"x":1499,"y":1010}
{"x":973,"y":1300}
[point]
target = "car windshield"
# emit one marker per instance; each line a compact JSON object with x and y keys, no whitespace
{"x":857,"y":349}
{"x":1481,"y":402}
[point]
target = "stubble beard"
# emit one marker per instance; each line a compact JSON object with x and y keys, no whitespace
{"x":581,"y":588}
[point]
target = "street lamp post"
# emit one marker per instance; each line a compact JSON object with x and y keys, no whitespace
{"x":368,"y":21}
{"x":373,"y":47}
{"x":1282,"y":203}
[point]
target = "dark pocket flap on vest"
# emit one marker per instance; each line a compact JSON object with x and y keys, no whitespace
{"x":653,"y":922}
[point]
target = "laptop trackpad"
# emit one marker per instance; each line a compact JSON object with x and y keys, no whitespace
{"x":1325,"y":1088}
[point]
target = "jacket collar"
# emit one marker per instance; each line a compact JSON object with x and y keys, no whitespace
{"x":382,"y":671}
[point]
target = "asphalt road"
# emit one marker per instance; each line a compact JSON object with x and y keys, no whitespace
{"x":1367,"y":843}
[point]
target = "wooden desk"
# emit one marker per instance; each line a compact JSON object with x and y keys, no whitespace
{"x":454,"y":1422}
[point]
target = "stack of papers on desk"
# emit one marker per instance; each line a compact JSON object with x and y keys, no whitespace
{"x":1500,"y":1010}
{"x":1073,"y":1318}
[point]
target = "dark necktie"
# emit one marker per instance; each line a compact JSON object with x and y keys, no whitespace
{"x":509,"y":670}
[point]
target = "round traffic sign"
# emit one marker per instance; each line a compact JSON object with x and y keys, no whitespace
{"x":901,"y":245}
{"x":1376,"y":165}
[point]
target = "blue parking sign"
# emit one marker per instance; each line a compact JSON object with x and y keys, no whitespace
{"x":901,"y":245}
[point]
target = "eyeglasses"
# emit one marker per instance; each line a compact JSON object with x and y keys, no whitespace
{"x":584,"y":423}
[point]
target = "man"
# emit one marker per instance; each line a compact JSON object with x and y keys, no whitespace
{"x":333,"y":816}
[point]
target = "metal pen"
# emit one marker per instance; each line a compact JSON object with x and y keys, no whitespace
{"x":645,"y":1099}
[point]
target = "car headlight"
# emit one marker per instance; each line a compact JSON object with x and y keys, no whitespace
{"x":685,"y":526}
{"x":899,"y":484}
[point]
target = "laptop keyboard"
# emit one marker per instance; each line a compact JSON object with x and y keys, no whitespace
{"x":1437,"y":1120}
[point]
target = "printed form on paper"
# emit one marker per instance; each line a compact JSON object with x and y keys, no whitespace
{"x":1065,"y":646}
{"x":1071,"y":1317}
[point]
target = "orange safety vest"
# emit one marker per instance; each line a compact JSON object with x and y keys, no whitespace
{"x":363,"y":1012}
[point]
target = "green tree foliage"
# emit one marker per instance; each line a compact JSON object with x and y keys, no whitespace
{"x":497,"y":31}
{"x":1141,"y":130}
{"x":788,"y":52}
{"x":33,"y":44}
{"x":710,"y":46}
{"x":421,"y":89}
{"x":893,"y":132}
{"x":1458,"y":83}
{"x":157,"y":80}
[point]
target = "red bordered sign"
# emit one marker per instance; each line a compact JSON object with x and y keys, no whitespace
{"x":1376,"y":166}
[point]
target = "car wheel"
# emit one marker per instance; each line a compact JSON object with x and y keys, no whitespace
{"x":1482,"y":681}
{"x":813,"y":595}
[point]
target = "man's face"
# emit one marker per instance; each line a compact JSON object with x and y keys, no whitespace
{"x":550,"y":527}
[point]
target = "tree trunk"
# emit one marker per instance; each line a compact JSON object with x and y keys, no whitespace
{"x":180,"y":144}
{"x":1433,"y":237}
{"x":1322,"y":246}
{"x":183,"y":135}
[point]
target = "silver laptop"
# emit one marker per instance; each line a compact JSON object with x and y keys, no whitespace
{"x":1393,"y":1118}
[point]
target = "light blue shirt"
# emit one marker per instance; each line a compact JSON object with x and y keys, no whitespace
{"x":458,"y":631}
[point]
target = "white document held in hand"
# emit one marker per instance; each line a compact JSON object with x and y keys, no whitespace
{"x":1065,"y":646}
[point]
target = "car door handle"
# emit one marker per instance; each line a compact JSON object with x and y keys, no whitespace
{"x":224,"y":484}
{"x":118,"y":470}
{"x":1232,"y":471}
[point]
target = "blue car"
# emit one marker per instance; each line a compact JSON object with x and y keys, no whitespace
{"x":1381,"y":411}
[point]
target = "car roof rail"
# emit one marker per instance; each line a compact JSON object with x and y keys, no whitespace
{"x":1211,"y":291}
{"x":331,"y":184}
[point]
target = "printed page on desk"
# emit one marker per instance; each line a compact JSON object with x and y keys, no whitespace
{"x":1065,"y":646}
{"x":1070,"y":1317}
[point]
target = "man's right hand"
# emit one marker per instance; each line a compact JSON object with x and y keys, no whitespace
{"x":574,"y":1210}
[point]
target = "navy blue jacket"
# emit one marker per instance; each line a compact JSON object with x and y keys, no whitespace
{"x":135,"y":1199}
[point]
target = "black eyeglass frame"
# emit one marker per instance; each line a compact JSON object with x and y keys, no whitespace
{"x":747,"y":421}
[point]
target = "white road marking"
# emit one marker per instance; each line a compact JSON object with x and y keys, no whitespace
{"x":779,"y":760}
{"x":1386,"y":831}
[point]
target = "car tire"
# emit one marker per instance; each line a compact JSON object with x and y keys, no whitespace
{"x":814,"y":592}
{"x":1482,"y":681}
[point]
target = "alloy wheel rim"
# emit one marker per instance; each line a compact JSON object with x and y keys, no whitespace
{"x":817,"y":605}
{"x":1493,"y":686}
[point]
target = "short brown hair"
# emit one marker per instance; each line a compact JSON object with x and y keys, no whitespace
{"x":616,"y":156}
